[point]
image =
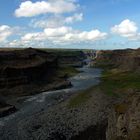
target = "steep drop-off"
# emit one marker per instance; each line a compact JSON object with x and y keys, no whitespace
{"x":26,"y":66}
{"x":124,"y":120}
{"x":30,"y":71}
{"x":121,"y":78}
{"x":127,"y":60}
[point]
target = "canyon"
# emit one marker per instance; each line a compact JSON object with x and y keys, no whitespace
{"x":24,"y":72}
{"x":101,"y":103}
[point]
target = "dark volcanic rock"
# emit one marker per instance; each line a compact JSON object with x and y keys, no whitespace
{"x":8,"y":109}
{"x":124,"y":116}
{"x":25,"y":66}
{"x":30,"y":71}
{"x":124,"y":120}
{"x":97,"y":132}
{"x":26,"y":72}
{"x":128,"y":59}
{"x":73,"y":58}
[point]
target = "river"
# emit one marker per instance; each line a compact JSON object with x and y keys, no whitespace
{"x":30,"y":106}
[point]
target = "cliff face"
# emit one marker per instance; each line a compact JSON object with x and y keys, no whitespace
{"x":122,"y":59}
{"x":26,"y":66}
{"x":30,"y":71}
{"x":124,"y":68}
{"x":34,"y":70}
{"x":124,"y":120}
{"x":22,"y":68}
{"x":72,"y":58}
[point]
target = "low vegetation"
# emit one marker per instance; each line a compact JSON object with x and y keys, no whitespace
{"x":113,"y":83}
{"x":67,"y":71}
{"x":80,"y":98}
{"x":117,"y":82}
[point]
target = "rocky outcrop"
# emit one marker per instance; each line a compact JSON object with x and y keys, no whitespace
{"x":72,"y":58}
{"x":124,"y":117}
{"x":21,"y":73}
{"x":25,"y":67}
{"x":30,"y":71}
{"x":122,"y":59}
{"x":6,"y":110}
{"x":61,"y":122}
{"x":124,"y":120}
{"x":25,"y":72}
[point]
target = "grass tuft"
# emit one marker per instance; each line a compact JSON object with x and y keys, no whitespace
{"x":67,"y":70}
{"x":115,"y":83}
{"x":81,"y":98}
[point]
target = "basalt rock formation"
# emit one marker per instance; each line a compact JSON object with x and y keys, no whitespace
{"x":124,"y":117}
{"x":128,"y":59}
{"x":26,"y":66}
{"x":20,"y":70}
{"x":124,"y":120}
{"x":25,"y":72}
{"x":71,"y":58}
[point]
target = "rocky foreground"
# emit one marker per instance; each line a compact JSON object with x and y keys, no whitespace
{"x":63,"y":122}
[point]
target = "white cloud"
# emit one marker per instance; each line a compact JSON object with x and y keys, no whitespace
{"x":56,"y":21}
{"x":30,"y":9}
{"x":126,"y":28}
{"x":65,"y":34}
{"x":5,"y":32}
{"x":75,"y":17}
{"x":51,"y":22}
{"x":56,"y":32}
{"x":82,"y":36}
{"x":33,"y":36}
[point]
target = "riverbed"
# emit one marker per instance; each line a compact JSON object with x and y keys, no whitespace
{"x":30,"y":106}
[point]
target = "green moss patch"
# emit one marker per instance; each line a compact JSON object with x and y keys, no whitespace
{"x":82,"y":97}
{"x":67,"y":71}
{"x":116,"y":83}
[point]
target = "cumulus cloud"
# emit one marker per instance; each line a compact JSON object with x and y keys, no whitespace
{"x":83,"y":36}
{"x":5,"y":32}
{"x":126,"y":29}
{"x":56,"y":32}
{"x":30,"y":9}
{"x":56,"y":21}
{"x":75,"y":17}
{"x":65,"y":34}
{"x":33,"y":36}
{"x":55,"y":24}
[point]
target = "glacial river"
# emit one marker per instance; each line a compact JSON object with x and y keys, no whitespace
{"x":29,"y":106}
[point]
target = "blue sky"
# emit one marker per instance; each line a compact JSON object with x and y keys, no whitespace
{"x":97,"y":24}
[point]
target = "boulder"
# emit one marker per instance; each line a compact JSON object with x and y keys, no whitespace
{"x":7,"y":110}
